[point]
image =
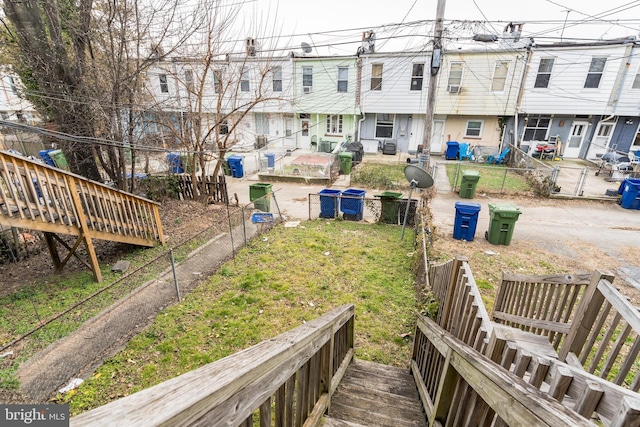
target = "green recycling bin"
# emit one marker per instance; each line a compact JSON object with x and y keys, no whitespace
{"x":502,"y":220}
{"x":259,"y":195}
{"x":468,"y":184}
{"x":58,"y":158}
{"x":346,"y":158}
{"x":389,"y":210}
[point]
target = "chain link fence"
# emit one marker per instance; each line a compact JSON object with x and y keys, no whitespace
{"x":47,"y":341}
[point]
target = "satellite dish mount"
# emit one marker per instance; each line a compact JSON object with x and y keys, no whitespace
{"x":418,"y":178}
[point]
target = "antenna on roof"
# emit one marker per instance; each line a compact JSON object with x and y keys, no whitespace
{"x":306,"y":48}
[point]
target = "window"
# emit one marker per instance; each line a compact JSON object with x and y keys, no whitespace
{"x":334,"y":124}
{"x":164,"y":86}
{"x":417,"y":74}
{"x":343,"y":79}
{"x":217,"y":81}
{"x":455,"y":77}
{"x":536,"y":128}
{"x":595,"y":73}
{"x":244,"y":81}
{"x":307,"y":79}
{"x":223,"y":128}
{"x":636,"y":82}
{"x":188,"y":79}
{"x":384,"y":125}
{"x":262,"y":124}
{"x":12,"y":85}
{"x":376,"y":76}
{"x":474,"y":129}
{"x":277,"y":79}
{"x":544,"y":73}
{"x":500,"y":76}
{"x":288,"y":126}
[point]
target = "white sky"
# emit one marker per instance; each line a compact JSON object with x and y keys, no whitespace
{"x":543,"y":18}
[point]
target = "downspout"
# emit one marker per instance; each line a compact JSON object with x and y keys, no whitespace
{"x":359,"y":95}
{"x":525,"y":73}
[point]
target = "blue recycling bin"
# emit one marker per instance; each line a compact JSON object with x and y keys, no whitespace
{"x":352,"y":204}
{"x":464,"y":226}
{"x":235,"y":165}
{"x":452,"y":150}
{"x":329,"y":202}
{"x":175,"y":162}
{"x":271,"y":160}
{"x":630,"y":191}
{"x":44,"y":155}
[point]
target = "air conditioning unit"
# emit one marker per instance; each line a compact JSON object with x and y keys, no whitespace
{"x":453,"y":88}
{"x":306,"y":89}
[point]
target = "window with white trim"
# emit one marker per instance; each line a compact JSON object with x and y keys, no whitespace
{"x":343,"y":79}
{"x":262,"y":123}
{"x":12,"y":85}
{"x":223,"y":127}
{"x":536,"y":128}
{"x":244,"y":81}
{"x":217,"y":81}
{"x":334,"y":124}
{"x":595,"y":72}
{"x":376,"y":76}
{"x":307,"y":79}
{"x":417,"y":76}
{"x":474,"y":129}
{"x":384,"y":125}
{"x":277,"y":79}
{"x":455,"y":77}
{"x":636,"y":81}
{"x":188,"y":79}
{"x":500,"y":73}
{"x":544,"y":73}
{"x":164,"y":85}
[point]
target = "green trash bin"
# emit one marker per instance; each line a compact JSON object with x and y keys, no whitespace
{"x":58,"y":158}
{"x":389,"y":210}
{"x":346,"y":158}
{"x":468,"y":184}
{"x":259,"y":195}
{"x":502,"y":220}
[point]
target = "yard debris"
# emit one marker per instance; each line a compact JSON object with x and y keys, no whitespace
{"x":121,"y":266}
{"x":264,"y":239}
{"x":291,"y":224}
{"x":327,"y":253}
{"x":311,"y":304}
{"x":490,"y":253}
{"x":405,"y":335}
{"x":73,"y":384}
{"x":7,"y":354}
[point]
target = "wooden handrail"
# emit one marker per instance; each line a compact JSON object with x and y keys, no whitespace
{"x":309,"y":361}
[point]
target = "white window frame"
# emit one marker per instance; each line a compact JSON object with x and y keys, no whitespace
{"x":188,"y":79}
{"x":217,"y":81}
{"x":479,"y":130}
{"x":636,"y":81}
{"x":13,"y":86}
{"x":540,"y":82}
{"x":343,"y":79}
{"x":499,"y":83}
{"x":388,"y":122}
{"x":244,"y":81}
{"x":417,"y":76}
{"x":262,"y":123}
{"x":454,"y":79}
{"x":376,"y":78}
{"x":537,"y":128}
{"x":334,"y":124}
{"x":595,"y":73}
{"x":164,"y":83}
{"x":277,"y":79}
{"x":307,"y":79}
{"x":223,"y":127}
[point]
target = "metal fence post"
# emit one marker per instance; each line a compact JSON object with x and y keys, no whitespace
{"x":455,"y":183}
{"x":175,"y":277}
{"x":581,"y":181}
{"x":504,"y":180}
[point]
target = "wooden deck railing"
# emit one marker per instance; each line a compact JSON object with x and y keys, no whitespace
{"x":39,"y":197}
{"x":284,"y":381}
{"x":460,"y":386}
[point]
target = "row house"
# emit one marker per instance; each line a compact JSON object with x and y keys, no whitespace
{"x":13,"y":106}
{"x":587,"y":96}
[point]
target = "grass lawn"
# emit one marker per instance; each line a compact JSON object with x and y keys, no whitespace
{"x":493,"y":179}
{"x":279,"y":281}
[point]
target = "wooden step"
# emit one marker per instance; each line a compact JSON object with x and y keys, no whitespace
{"x":372,"y":394}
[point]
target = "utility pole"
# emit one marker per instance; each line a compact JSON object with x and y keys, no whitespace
{"x":436,"y":59}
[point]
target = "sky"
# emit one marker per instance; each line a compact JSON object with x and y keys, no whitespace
{"x":328,"y":24}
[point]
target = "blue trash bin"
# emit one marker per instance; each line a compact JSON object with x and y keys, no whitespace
{"x":175,"y":162}
{"x":44,"y":155}
{"x":352,"y":204}
{"x":630,"y":190}
{"x":235,"y":164}
{"x":329,"y":202}
{"x":464,"y":226}
{"x":271,"y":160}
{"x":452,"y":150}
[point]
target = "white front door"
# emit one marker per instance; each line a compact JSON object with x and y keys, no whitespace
{"x":437,"y":136}
{"x":305,"y":135}
{"x":600,"y":141}
{"x":576,"y":137}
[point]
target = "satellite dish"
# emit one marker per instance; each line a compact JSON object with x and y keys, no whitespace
{"x":306,"y":48}
{"x":418,"y":178}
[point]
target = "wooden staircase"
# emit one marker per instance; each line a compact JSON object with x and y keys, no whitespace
{"x":372,"y":394}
